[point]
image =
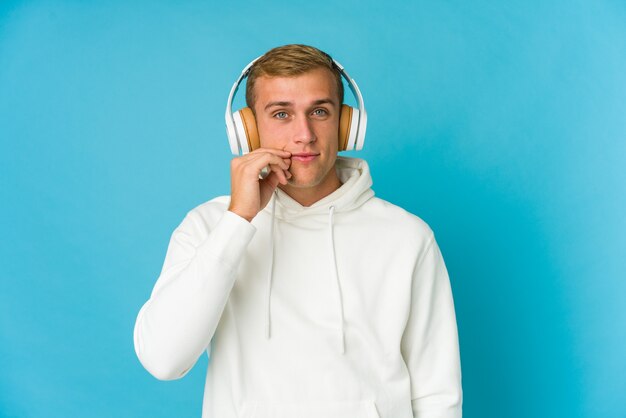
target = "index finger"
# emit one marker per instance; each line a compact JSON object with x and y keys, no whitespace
{"x":275,"y":151}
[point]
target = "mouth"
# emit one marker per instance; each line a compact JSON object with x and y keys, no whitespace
{"x":304,"y":157}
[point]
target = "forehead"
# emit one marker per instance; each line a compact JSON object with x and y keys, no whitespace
{"x":310,"y":86}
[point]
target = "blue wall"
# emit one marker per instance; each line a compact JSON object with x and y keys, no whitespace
{"x":502,"y":124}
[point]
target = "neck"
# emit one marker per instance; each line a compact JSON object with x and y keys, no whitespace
{"x":306,"y":196}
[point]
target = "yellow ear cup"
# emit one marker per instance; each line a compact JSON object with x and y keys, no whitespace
{"x":345,"y":120}
{"x":249,"y":124}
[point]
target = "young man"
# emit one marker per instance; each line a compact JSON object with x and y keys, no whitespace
{"x":312,"y":297}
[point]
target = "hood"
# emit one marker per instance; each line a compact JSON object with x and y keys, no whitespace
{"x":355,"y":190}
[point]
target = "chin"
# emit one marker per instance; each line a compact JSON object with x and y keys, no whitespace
{"x":302,"y":184}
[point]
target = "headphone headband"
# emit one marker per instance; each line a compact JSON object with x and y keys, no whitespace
{"x":236,"y":141}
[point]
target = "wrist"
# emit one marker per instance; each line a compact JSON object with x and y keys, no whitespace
{"x":241,"y":214}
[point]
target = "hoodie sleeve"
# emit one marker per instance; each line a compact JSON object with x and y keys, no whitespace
{"x":430,"y":344}
{"x":177,"y":323}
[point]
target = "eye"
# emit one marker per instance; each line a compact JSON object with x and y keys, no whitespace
{"x":281,"y":115}
{"x":320,"y":112}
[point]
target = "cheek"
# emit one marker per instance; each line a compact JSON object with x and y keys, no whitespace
{"x":267,"y":135}
{"x":332,"y":133}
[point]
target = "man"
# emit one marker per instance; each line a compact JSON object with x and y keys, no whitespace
{"x":312,"y":297}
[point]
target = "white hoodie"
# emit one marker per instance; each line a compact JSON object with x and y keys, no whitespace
{"x":338,"y":310}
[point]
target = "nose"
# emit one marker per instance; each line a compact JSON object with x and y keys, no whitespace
{"x":303,"y":131}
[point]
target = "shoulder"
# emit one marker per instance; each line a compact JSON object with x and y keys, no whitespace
{"x":217,"y":205}
{"x":398,"y":220}
{"x":207,"y":214}
{"x":397,"y":215}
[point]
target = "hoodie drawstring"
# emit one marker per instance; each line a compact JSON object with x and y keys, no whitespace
{"x":335,"y":274}
{"x":270,"y":273}
{"x":342,"y":343}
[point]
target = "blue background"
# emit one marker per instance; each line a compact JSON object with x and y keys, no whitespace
{"x":502,"y":124}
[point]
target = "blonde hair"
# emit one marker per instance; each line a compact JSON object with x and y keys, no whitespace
{"x":290,"y":61}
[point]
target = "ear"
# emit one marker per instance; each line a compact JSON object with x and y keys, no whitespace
{"x":249,"y":125}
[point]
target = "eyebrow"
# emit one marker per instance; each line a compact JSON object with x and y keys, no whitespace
{"x":282,"y":104}
{"x":287,"y":104}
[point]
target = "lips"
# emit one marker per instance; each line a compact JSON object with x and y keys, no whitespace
{"x":304,"y":157}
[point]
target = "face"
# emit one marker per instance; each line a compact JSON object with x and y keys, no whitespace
{"x":301,"y":115}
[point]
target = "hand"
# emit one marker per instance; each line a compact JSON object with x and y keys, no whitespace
{"x":249,"y":193}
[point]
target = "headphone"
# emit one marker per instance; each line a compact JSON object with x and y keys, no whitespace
{"x":243,"y":135}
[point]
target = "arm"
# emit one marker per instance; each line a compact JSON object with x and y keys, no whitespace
{"x":177,"y":323}
{"x":430,"y":344}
